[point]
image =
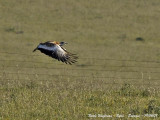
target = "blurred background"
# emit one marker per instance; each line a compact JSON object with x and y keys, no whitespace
{"x":117,"y":42}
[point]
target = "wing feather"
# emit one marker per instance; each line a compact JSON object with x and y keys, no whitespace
{"x":59,"y":53}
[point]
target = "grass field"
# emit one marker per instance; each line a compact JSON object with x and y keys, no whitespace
{"x":118,"y":70}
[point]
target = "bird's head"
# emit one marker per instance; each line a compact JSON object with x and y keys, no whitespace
{"x":62,"y":43}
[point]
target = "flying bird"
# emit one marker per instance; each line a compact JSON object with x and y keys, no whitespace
{"x":55,"y":50}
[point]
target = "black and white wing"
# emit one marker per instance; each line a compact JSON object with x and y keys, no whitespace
{"x":57,"y":52}
{"x":64,"y":56}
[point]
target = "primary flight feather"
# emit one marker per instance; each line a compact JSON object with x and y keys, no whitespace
{"x":55,"y":50}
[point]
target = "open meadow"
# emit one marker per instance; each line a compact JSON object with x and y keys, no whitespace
{"x":118,"y":70}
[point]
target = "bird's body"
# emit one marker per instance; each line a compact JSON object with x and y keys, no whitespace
{"x":55,"y":50}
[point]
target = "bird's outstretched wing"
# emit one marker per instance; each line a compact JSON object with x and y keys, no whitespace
{"x":64,"y":56}
{"x":57,"y":52}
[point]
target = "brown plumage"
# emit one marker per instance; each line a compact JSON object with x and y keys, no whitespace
{"x":55,"y":50}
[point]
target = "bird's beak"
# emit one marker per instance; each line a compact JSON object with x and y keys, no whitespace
{"x":35,"y":49}
{"x":62,"y":43}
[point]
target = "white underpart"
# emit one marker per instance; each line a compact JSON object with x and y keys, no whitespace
{"x":59,"y":51}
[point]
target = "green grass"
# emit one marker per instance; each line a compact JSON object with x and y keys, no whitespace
{"x":34,"y":86}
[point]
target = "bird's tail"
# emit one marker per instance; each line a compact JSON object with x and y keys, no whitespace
{"x":35,"y":49}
